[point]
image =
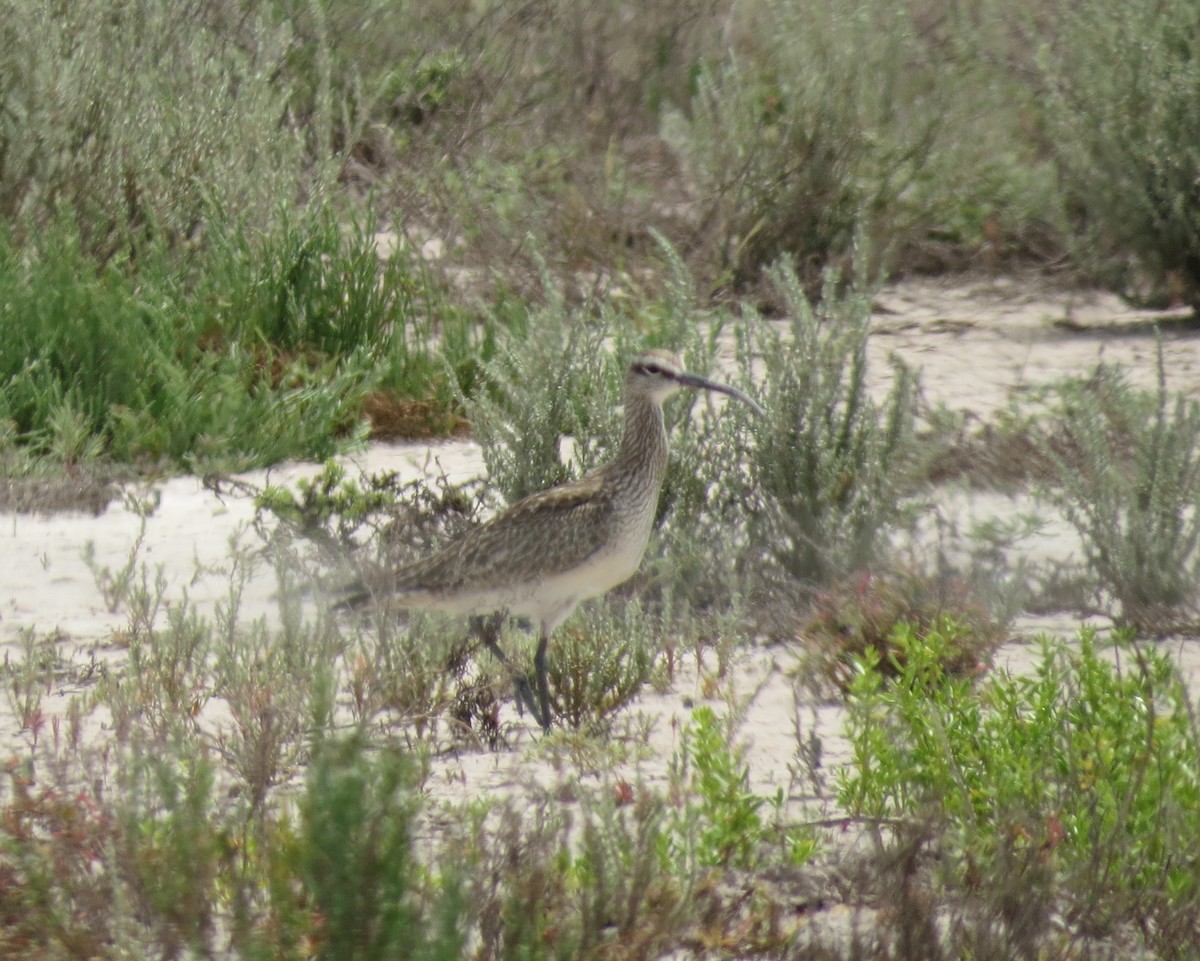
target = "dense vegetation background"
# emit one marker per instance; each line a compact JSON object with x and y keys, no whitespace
{"x":191,"y":194}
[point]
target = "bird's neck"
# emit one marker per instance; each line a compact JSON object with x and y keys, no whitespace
{"x":644,"y":446}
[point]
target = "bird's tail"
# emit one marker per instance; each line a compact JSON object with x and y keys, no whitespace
{"x":353,"y":597}
{"x":359,"y":592}
{"x":373,"y":585}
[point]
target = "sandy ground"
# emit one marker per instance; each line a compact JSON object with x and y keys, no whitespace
{"x":978,"y":344}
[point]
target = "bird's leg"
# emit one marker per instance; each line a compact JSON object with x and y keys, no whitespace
{"x":543,"y":682}
{"x":487,"y":629}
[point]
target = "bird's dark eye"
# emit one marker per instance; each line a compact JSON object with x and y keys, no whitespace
{"x":653,"y":369}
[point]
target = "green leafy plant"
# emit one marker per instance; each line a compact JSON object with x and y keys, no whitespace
{"x":358,"y":862}
{"x":335,"y":512}
{"x":1086,"y":764}
{"x":718,"y":821}
{"x":872,"y":609}
{"x":147,"y":370}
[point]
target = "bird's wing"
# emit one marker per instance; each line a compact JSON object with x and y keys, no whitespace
{"x":557,"y":528}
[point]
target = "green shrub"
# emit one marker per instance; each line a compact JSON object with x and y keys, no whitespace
{"x":826,"y":472}
{"x":134,"y":118}
{"x":1126,"y":474}
{"x":1125,"y":117}
{"x":175,"y":838}
{"x":809,"y":130}
{"x":1088,"y":765}
{"x":359,"y":865}
{"x":312,"y":284}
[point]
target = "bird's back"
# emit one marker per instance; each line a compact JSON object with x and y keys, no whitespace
{"x":552,"y":549}
{"x":564,"y":543}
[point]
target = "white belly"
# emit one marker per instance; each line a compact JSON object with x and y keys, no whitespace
{"x":552,"y":598}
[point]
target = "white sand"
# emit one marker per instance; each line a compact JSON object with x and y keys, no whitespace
{"x":978,"y":343}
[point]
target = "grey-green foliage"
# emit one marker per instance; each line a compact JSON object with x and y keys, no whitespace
{"x":623,"y":883}
{"x":135,"y":115}
{"x":1124,"y":107}
{"x":278,"y":685}
{"x":411,"y":671}
{"x":822,"y":486}
{"x":814,"y":124}
{"x":1127,"y":477}
{"x":563,"y":374}
{"x":601,"y":660}
{"x":359,"y":866}
{"x":170,"y":843}
{"x":582,"y":880}
{"x":556,"y":380}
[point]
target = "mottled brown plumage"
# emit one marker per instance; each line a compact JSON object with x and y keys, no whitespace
{"x":543,"y":555}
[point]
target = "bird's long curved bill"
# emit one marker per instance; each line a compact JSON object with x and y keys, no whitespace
{"x":695,"y":380}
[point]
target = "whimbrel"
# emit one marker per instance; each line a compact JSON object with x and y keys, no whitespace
{"x":547,"y":552}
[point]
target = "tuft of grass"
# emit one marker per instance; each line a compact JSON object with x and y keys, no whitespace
{"x":627,"y":896}
{"x":254,"y":672}
{"x":129,"y":360}
{"x":173,"y":837}
{"x":417,"y":673}
{"x":28,"y":673}
{"x":269,"y":351}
